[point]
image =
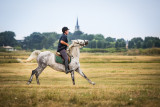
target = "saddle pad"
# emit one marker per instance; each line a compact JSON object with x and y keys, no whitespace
{"x":60,"y":60}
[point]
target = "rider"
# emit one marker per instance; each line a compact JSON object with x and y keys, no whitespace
{"x":62,"y":46}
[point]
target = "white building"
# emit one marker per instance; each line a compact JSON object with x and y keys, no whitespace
{"x":9,"y":48}
{"x":77,"y":27}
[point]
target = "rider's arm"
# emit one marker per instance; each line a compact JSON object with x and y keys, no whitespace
{"x":64,"y":43}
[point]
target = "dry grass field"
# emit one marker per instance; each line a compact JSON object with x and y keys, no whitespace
{"x":120,"y":81}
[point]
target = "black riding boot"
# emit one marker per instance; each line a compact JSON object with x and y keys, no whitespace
{"x":66,"y":67}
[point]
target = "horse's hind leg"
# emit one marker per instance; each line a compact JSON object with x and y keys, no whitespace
{"x":30,"y":80}
{"x":39,"y":70}
{"x":83,"y":75}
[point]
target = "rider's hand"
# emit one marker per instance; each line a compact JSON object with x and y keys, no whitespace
{"x":68,"y":45}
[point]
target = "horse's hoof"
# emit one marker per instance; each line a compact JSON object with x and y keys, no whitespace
{"x":93,"y":83}
{"x":38,"y":83}
{"x":28,"y":83}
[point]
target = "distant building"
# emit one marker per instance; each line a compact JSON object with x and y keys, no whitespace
{"x":9,"y":48}
{"x":127,"y":44}
{"x":77,"y":27}
{"x":20,"y":41}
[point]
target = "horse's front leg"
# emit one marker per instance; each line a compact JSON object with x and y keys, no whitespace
{"x":83,"y":75}
{"x":72,"y":76}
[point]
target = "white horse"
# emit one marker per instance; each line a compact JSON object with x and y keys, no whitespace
{"x":47,"y":58}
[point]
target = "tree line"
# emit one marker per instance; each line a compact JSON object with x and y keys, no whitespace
{"x":49,"y":40}
{"x":148,"y":42}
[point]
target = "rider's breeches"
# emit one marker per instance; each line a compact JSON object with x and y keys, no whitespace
{"x":64,"y":54}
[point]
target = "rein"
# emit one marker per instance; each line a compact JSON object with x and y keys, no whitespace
{"x":72,"y":45}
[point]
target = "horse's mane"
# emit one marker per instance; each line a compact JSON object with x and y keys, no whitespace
{"x":71,"y":46}
{"x":70,"y":50}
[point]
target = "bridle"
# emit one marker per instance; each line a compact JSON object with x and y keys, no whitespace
{"x":79,"y":43}
{"x":76,"y":46}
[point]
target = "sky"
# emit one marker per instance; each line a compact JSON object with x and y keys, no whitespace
{"x":115,"y":18}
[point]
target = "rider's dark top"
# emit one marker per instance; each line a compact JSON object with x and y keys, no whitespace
{"x":61,"y":46}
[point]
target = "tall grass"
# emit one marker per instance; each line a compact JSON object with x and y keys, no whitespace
{"x":121,"y":80}
{"x":13,"y":57}
{"x":117,"y":84}
{"x":107,"y":50}
{"x":149,"y":51}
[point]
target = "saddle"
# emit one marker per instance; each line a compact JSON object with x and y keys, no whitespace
{"x":59,"y":58}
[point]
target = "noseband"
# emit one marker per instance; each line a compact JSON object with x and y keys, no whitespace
{"x":81,"y":44}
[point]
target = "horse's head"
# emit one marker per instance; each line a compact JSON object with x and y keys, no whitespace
{"x":79,"y":42}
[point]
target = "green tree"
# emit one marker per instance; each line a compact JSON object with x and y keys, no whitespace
{"x":39,"y":41}
{"x":8,"y":38}
{"x":110,"y":39}
{"x":135,"y":43}
{"x":110,"y":42}
{"x":99,"y":37}
{"x":34,"y":41}
{"x":150,"y":42}
{"x":120,"y":43}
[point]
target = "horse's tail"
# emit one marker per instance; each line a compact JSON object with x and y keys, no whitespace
{"x":33,"y":55}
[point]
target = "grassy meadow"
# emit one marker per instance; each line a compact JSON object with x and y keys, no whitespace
{"x":121,"y":80}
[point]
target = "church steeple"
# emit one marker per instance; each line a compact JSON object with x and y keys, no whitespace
{"x":77,"y":26}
